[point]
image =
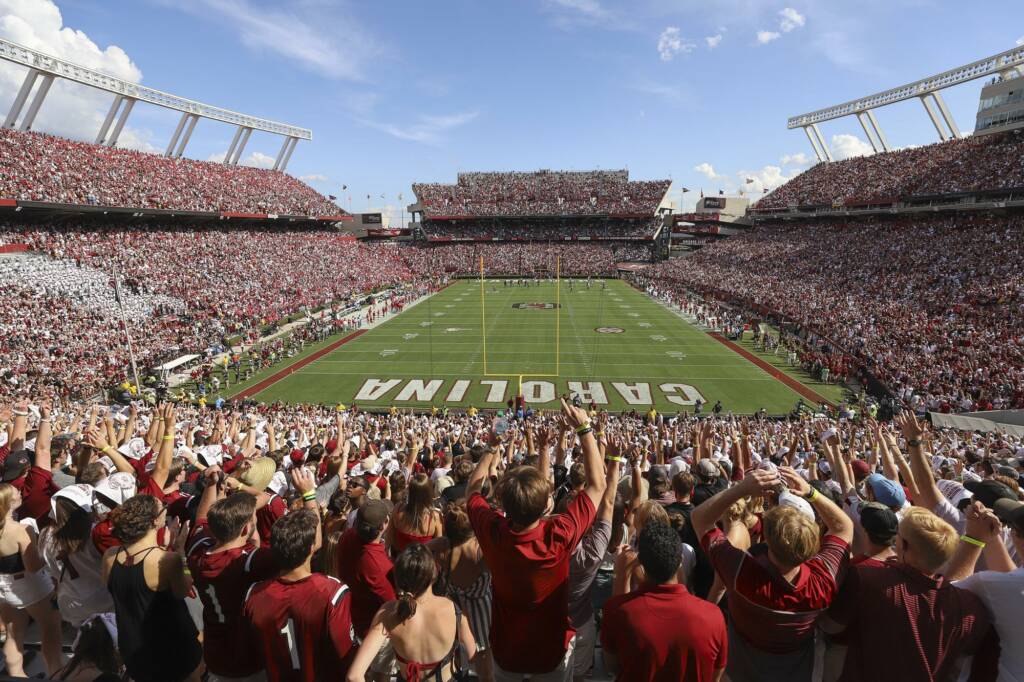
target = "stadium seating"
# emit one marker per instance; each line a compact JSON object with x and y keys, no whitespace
{"x":542,"y":193}
{"x":50,"y":169}
{"x":968,"y":165}
{"x":931,"y":305}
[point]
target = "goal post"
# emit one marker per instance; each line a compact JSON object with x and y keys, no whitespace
{"x":558,"y":327}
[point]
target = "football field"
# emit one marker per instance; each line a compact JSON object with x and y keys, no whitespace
{"x":476,"y":343}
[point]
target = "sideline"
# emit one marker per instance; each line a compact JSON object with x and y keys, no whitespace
{"x":772,"y":371}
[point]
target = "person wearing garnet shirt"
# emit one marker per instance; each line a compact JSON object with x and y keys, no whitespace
{"x":301,"y":622}
{"x":528,"y":555}
{"x":776,"y":591}
{"x":30,"y":471}
{"x":905,"y":606}
{"x":661,"y":632}
{"x":225,"y":560}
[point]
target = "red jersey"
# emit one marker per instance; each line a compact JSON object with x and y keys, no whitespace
{"x":222,"y":580}
{"x":367,"y":570}
{"x":895,"y":607}
{"x":303,"y":628}
{"x":36,"y":488}
{"x":103,"y":536}
{"x":530,"y":627}
{"x":665,"y":633}
{"x":266,"y":516}
{"x":770,"y":613}
{"x":178,"y":504}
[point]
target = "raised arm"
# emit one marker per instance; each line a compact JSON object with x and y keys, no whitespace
{"x":44,"y":438}
{"x":162,"y":468}
{"x":834,"y":518}
{"x":928,"y":493}
{"x":592,"y":465}
{"x":706,"y":514}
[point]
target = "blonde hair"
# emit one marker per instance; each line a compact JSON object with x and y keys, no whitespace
{"x":649,"y":512}
{"x":739,"y":512}
{"x":792,"y":537}
{"x":932,"y":539}
{"x":6,"y":500}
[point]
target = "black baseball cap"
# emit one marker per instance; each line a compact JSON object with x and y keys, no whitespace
{"x":879,"y":522}
{"x":15,"y":465}
{"x":988,"y":492}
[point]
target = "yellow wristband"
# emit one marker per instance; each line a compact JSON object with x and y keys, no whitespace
{"x":107,"y":448}
{"x":168,"y":437}
{"x":812,"y":495}
{"x":972,"y":541}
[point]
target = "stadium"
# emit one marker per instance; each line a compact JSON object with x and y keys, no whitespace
{"x":513,"y":433}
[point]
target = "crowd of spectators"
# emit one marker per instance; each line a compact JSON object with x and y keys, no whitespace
{"x":45,"y":168}
{"x":971,"y":164}
{"x":537,"y":230}
{"x":542,"y":193}
{"x":932,"y":306}
{"x":515,"y":258}
{"x":308,"y":542}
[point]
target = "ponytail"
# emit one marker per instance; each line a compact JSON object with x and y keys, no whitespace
{"x":406,"y":606}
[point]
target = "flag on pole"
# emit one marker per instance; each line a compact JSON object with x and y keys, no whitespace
{"x":720,"y":192}
{"x":750,"y":181}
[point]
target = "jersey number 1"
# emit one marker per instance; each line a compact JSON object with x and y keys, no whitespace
{"x":289,"y":634}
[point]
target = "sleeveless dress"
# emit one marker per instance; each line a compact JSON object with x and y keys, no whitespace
{"x":414,"y":671}
{"x":474,"y":601}
{"x":156,"y":635}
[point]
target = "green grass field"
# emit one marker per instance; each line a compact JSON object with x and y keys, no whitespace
{"x":438,"y":353}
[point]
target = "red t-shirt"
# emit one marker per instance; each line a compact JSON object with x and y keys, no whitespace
{"x":303,"y":628}
{"x":369,"y":573}
{"x":896,"y":608}
{"x":664,"y":633}
{"x":36,"y":488}
{"x":768,"y":611}
{"x":266,"y":516}
{"x":222,"y":580}
{"x":530,"y":628}
{"x":178,"y":503}
{"x":103,"y":536}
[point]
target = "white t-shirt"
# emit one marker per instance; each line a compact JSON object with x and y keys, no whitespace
{"x":1002,"y":594}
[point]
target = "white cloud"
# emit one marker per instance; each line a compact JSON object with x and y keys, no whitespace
{"x":1020,"y":41}
{"x":313,"y":177}
{"x":674,"y":94}
{"x":670,"y":43}
{"x":256,"y":159}
{"x":310,"y":33}
{"x":70,"y":110}
{"x":798,"y":159}
{"x":708,"y":170}
{"x":427,"y":129}
{"x":845,"y":146}
{"x":713,"y":41}
{"x":765,"y":37}
{"x":765,"y":179}
{"x":791,"y":19}
{"x":588,"y":8}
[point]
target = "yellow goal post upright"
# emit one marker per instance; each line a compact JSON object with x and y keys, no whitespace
{"x":558,"y":327}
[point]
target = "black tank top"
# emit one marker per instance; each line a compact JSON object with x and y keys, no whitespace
{"x":156,"y":635}
{"x":12,"y":563}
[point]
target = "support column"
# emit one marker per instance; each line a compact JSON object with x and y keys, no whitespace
{"x":114,"y":106}
{"x":946,"y":116}
{"x":37,"y":101}
{"x":821,"y":141}
{"x":187,"y":136}
{"x":121,"y":120}
{"x":19,"y":100}
{"x":935,"y":119}
{"x":814,"y":144}
{"x":280,"y":155}
{"x":878,"y":130}
{"x":177,"y":134}
{"x":288,"y":156}
{"x":244,"y":140}
{"x":234,"y":141}
{"x":864,"y":124}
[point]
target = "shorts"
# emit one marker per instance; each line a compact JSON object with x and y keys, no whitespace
{"x":583,"y":656}
{"x":26,"y":589}
{"x":563,"y":673}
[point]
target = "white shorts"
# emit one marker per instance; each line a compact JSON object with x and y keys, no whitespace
{"x":26,"y":590}
{"x":563,"y":673}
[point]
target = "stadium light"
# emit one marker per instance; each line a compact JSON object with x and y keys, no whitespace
{"x":928,"y":90}
{"x":47,"y":67}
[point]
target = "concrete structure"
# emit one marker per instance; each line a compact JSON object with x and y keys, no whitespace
{"x":44,"y":68}
{"x":1004,"y":65}
{"x":1001,"y":106}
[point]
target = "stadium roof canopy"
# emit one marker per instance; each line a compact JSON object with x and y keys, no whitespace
{"x":45,"y":68}
{"x":928,"y":90}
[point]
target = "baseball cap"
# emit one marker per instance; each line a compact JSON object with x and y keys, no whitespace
{"x":886,"y":491}
{"x":15,"y":465}
{"x":879,"y":522}
{"x":135,"y":448}
{"x":1010,"y":512}
{"x":260,"y":471}
{"x":988,"y":492}
{"x":657,"y":473}
{"x":79,"y":493}
{"x":371,"y":516}
{"x":788,"y":499}
{"x":954,"y":491}
{"x":861,"y":469}
{"x":115,"y":488}
{"x":706,"y":470}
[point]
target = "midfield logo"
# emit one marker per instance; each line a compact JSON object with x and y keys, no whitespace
{"x":535,"y":306}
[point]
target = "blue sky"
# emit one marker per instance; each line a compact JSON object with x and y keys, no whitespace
{"x":397,"y":92}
